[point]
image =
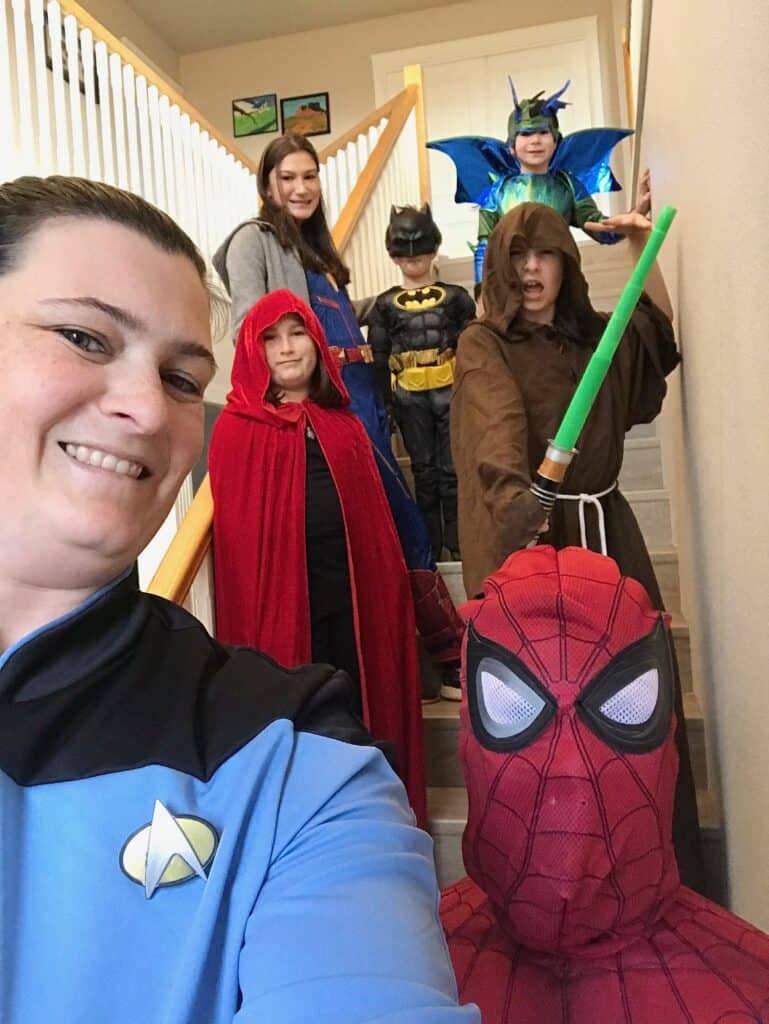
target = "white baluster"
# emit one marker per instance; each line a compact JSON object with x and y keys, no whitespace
{"x":353,"y":168}
{"x":63,"y":164}
{"x":323,"y":175}
{"x":189,"y":178}
{"x":23,"y":92}
{"x":343,"y":184}
{"x":129,"y":95}
{"x":116,"y":83}
{"x":206,"y":153}
{"x":179,"y":181}
{"x":105,"y":113}
{"x":368,"y":249}
{"x":157,"y":146}
{"x":91,"y":122}
{"x":332,"y":192}
{"x":8,"y":154}
{"x":168,"y":157}
{"x":198,"y":176}
{"x":72,"y":44}
{"x":145,"y":145}
{"x":44,"y":147}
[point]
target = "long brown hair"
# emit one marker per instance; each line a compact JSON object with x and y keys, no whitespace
{"x":311,"y":238}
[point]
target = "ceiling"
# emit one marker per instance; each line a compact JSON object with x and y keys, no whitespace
{"x":190,"y":25}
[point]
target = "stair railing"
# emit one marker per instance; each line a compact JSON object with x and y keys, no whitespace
{"x":75,"y":100}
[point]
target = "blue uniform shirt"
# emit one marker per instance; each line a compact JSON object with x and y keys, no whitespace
{"x":193,"y":835}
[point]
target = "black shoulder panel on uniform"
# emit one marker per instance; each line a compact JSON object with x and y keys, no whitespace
{"x":134,"y":680}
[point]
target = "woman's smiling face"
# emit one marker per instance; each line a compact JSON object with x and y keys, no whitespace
{"x":105,"y":352}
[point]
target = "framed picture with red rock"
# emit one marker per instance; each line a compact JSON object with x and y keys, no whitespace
{"x":306,"y":115}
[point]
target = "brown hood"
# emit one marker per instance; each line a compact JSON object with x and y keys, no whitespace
{"x":535,"y":226}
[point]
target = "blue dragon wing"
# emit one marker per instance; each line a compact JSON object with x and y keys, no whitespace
{"x":479,"y":161}
{"x":586,"y":155}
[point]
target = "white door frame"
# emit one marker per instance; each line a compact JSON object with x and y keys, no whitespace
{"x":583,"y":30}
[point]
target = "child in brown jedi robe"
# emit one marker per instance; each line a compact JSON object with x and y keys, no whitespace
{"x":516,"y":371}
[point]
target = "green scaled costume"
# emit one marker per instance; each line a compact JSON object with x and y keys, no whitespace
{"x":490,"y":175}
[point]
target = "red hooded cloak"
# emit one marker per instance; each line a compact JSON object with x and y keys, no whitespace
{"x":257,"y":470}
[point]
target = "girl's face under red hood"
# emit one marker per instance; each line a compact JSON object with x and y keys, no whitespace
{"x":251,"y":377}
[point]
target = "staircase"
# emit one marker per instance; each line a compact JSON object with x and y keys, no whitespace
{"x":641,"y":480}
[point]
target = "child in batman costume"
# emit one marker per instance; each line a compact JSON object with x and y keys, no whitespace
{"x":413,"y":332}
{"x":537,"y":164}
{"x":574,"y":909}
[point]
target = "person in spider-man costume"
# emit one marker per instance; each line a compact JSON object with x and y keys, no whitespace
{"x":573,"y":910}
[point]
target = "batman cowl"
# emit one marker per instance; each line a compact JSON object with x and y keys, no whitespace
{"x":412,"y":231}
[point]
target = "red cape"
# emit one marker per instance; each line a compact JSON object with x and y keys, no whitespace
{"x":257,"y":470}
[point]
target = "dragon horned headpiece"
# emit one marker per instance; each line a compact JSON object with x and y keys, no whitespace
{"x":535,"y":114}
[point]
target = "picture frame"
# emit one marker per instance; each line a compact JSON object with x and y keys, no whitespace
{"x":255,"y":115}
{"x":308,"y":114}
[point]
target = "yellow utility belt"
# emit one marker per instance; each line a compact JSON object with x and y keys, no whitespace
{"x":423,"y":370}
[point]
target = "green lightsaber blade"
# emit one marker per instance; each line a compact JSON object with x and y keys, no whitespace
{"x":595,"y":371}
{"x":548,"y":478}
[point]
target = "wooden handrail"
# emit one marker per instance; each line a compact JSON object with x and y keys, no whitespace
{"x":364,"y":186}
{"x":187,"y":551}
{"x":101,"y":34}
{"x":361,"y":128}
{"x":192,"y":540}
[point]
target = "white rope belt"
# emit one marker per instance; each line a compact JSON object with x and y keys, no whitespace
{"x":590,"y":499}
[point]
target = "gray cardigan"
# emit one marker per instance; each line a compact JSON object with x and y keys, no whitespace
{"x":251,"y":262}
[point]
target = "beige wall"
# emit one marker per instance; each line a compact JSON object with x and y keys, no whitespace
{"x":709,"y":153}
{"x":337,"y":59}
{"x":122,"y":20}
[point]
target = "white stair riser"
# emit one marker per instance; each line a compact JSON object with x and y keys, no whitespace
{"x":652,"y":510}
{"x":641,"y":466}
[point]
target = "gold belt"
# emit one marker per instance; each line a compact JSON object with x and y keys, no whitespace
{"x":426,"y":378}
{"x":420,"y":357}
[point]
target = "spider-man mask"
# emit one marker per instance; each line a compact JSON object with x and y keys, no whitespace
{"x":568,"y":753}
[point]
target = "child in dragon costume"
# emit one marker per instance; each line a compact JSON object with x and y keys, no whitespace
{"x":537,"y":164}
{"x":574,"y":910}
{"x":413,"y":332}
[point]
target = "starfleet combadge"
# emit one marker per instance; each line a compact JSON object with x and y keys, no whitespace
{"x":169,"y":850}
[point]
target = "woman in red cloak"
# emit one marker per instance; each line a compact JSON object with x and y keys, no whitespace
{"x":308,"y":566}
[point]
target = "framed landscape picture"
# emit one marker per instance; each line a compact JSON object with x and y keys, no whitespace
{"x":255,"y":115}
{"x":306,"y":115}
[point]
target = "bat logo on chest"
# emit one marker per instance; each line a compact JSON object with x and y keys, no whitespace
{"x":414,"y":300}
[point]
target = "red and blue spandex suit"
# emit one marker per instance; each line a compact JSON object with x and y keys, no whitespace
{"x":573,"y":910}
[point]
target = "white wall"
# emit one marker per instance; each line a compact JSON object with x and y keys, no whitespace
{"x":705,"y":140}
{"x":122,"y":20}
{"x":338,"y":59}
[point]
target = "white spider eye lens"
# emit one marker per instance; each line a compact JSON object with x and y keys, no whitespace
{"x":508,"y":705}
{"x":634,"y":704}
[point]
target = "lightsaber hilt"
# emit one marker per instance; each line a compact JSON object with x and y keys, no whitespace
{"x":549,"y":477}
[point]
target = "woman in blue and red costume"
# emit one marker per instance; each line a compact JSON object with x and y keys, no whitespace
{"x":299,"y":573}
{"x":289,"y":245}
